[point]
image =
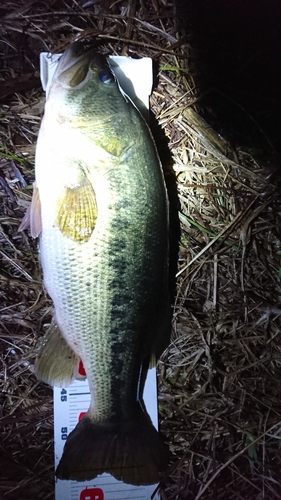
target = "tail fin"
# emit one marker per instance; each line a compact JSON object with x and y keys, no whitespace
{"x":132,"y":452}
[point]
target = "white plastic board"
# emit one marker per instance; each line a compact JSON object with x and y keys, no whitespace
{"x":69,"y":406}
{"x":135,"y":78}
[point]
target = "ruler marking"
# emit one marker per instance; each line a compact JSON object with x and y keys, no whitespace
{"x":79,"y":393}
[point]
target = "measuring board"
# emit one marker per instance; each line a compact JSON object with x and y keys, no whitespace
{"x":71,"y":403}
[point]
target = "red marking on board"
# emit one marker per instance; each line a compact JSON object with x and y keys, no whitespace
{"x":81,"y":369}
{"x":81,"y":415}
{"x":92,"y":494}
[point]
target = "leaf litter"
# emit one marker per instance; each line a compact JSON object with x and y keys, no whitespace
{"x":220,"y":378}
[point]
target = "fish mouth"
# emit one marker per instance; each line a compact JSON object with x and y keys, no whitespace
{"x":73,"y":67}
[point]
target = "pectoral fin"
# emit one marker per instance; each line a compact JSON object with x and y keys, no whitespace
{"x":77,"y":211}
{"x":56,"y":363}
{"x":32,"y":218}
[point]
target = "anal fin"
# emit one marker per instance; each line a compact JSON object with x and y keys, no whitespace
{"x":56,"y":363}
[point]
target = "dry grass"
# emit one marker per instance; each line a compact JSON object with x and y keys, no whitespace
{"x":220,"y":379}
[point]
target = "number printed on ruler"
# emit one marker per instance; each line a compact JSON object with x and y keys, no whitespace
{"x":92,"y":494}
{"x":70,"y":405}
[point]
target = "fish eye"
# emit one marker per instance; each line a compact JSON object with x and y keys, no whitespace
{"x":106,"y":77}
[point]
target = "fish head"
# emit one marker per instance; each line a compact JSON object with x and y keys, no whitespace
{"x":83,"y":84}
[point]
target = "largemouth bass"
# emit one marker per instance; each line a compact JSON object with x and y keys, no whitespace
{"x":100,"y":207}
